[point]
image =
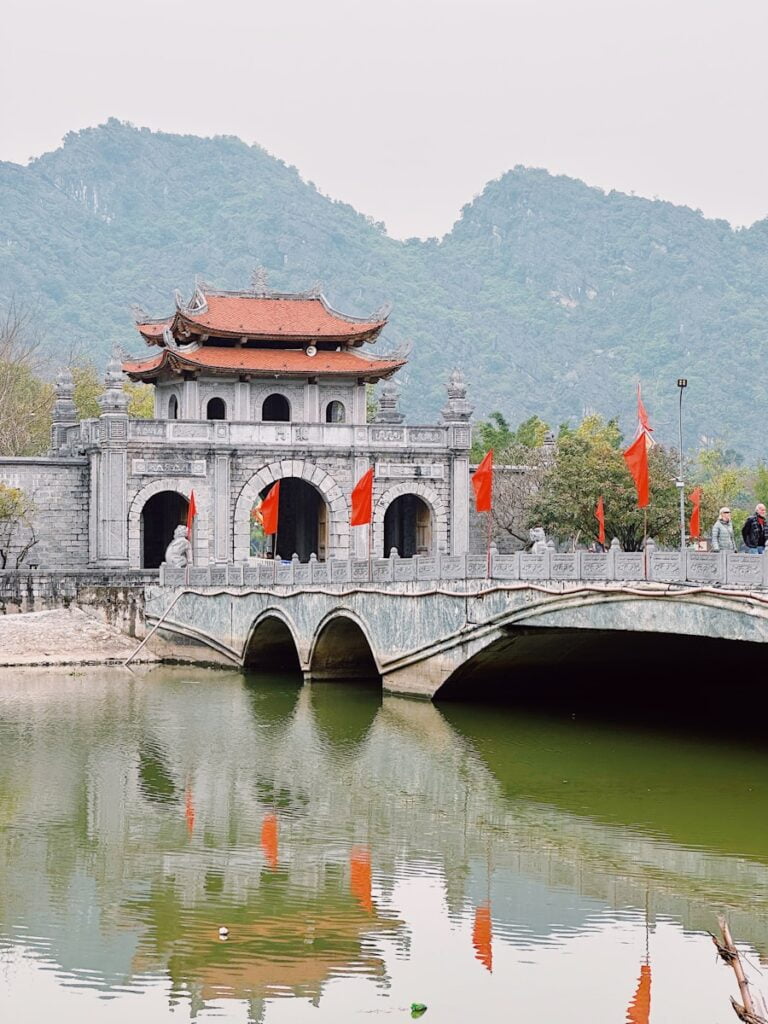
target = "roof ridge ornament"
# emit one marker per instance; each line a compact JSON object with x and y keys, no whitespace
{"x":382,"y":313}
{"x":259,"y":281}
{"x":139,"y":314}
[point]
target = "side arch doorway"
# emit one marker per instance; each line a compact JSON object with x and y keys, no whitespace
{"x":302,"y":523}
{"x":160,"y":516}
{"x":342,"y":653}
{"x":408,"y":527}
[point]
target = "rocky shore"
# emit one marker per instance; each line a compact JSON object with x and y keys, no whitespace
{"x":64,"y":637}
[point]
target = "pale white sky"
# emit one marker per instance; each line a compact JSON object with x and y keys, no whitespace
{"x":405,"y":108}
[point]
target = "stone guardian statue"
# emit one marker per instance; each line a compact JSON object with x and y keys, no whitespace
{"x":178,"y":554}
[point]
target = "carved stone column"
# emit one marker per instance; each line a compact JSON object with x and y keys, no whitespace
{"x":457,"y":413}
{"x":222,"y":544}
{"x":190,"y":398}
{"x":64,"y":413}
{"x":111,"y":468}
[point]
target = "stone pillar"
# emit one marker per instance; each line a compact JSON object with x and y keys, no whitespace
{"x":111,"y":466}
{"x":64,"y":413}
{"x":456,"y":414}
{"x":190,"y":399}
{"x":242,"y":410}
{"x":312,"y":402}
{"x":222,"y":544}
{"x":389,"y":405}
{"x":360,"y":411}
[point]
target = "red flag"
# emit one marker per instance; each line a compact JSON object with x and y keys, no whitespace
{"x":362,"y":500}
{"x":482,"y":483}
{"x":643,"y":425}
{"x":191,"y":513}
{"x":696,"y":513}
{"x":636,"y":458}
{"x":269,"y":508}
{"x":639,"y":1010}
{"x":482,"y":936}
{"x":600,"y":517}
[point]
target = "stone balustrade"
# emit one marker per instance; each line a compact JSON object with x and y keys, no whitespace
{"x":379,"y":436}
{"x":701,"y":568}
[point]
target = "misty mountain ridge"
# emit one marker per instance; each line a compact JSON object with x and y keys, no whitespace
{"x":554,"y":297}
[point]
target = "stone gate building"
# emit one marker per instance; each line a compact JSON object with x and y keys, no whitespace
{"x":250,"y":388}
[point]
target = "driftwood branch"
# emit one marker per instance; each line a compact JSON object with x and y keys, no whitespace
{"x":730,"y":956}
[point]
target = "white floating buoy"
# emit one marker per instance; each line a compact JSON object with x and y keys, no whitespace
{"x":223,"y":932}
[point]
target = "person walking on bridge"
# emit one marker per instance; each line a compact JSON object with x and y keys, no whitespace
{"x":753,"y":531}
{"x":722,"y":532}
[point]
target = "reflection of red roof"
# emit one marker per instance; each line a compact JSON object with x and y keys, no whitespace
{"x":263,"y":362}
{"x":237,"y":314}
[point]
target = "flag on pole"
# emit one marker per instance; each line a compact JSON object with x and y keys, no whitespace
{"x":636,"y":458}
{"x":600,"y":517}
{"x":696,"y":513}
{"x":643,"y":424}
{"x":191,"y":513}
{"x":362,"y":500}
{"x":482,"y":484}
{"x":269,"y":508}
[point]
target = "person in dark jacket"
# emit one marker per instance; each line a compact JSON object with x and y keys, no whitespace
{"x":753,"y":532}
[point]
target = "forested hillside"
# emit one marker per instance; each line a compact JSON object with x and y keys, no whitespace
{"x":552,"y":296}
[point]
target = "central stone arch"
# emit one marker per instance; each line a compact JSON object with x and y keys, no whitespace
{"x":338,"y":506}
{"x":181,"y":487}
{"x":430,"y":497}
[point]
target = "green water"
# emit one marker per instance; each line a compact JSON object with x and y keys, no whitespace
{"x":364,"y":854}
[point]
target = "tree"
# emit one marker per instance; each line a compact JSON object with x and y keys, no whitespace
{"x":588,"y":463}
{"x":724,"y":481}
{"x":25,"y":400}
{"x":17,"y":533}
{"x":141,"y":400}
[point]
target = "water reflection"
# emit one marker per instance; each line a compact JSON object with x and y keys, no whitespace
{"x":363,"y":853}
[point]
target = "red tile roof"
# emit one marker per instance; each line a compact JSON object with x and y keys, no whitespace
{"x":266,"y":317}
{"x":264,"y":362}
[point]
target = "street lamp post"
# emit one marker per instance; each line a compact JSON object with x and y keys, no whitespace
{"x":682,"y":384}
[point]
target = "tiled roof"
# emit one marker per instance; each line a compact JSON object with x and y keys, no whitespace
{"x":263,"y":361}
{"x":256,"y":316}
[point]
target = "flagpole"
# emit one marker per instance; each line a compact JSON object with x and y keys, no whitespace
{"x":488,"y":547}
{"x":645,"y":542}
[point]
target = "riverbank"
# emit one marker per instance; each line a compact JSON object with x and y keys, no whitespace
{"x":64,"y":637}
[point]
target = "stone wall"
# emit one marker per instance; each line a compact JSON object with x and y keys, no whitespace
{"x":116,"y":597}
{"x":59,"y":488}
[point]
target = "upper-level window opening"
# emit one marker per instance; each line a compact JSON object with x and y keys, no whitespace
{"x":216,"y":409}
{"x":276,"y":409}
{"x":335,"y":412}
{"x":173,"y":408}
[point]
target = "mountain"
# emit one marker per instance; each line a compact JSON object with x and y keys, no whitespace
{"x":552,"y":296}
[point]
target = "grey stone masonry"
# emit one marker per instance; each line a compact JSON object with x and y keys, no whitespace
{"x":59,"y":488}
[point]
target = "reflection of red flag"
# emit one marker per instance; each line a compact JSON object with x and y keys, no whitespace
{"x":696,"y":513}
{"x":269,"y":839}
{"x":482,"y":483}
{"x":269,"y":507}
{"x":360,"y":876}
{"x":362,"y":500}
{"x":639,"y":1010}
{"x":600,"y":517}
{"x":482,"y":936}
{"x":189,"y":811}
{"x":636,"y":458}
{"x":191,"y":513}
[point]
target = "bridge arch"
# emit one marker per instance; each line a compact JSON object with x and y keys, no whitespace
{"x":135,"y":531}
{"x":271,"y":645}
{"x":436,"y":505}
{"x":333,"y":496}
{"x":342,"y":650}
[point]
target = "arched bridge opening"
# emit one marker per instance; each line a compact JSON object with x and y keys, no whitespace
{"x":271,"y":648}
{"x":657,"y":678}
{"x":342,"y":653}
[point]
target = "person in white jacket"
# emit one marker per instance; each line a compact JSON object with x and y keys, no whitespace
{"x":722,"y":532}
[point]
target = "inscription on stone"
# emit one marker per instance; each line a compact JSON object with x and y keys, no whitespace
{"x":409,"y":470}
{"x":199,"y":430}
{"x":425,"y":435}
{"x":564,"y":567}
{"x":147,"y":428}
{"x":167,"y":467}
{"x":384,"y":434}
{"x":533,"y":567}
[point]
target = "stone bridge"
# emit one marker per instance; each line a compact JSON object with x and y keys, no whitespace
{"x":446,"y":626}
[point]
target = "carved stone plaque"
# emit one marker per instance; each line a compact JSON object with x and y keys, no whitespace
{"x":168,"y":467}
{"x":410,"y":470}
{"x":563,"y":566}
{"x":425,"y":435}
{"x":405,"y":570}
{"x":387,"y":435}
{"x":594,"y":565}
{"x":533,"y":567}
